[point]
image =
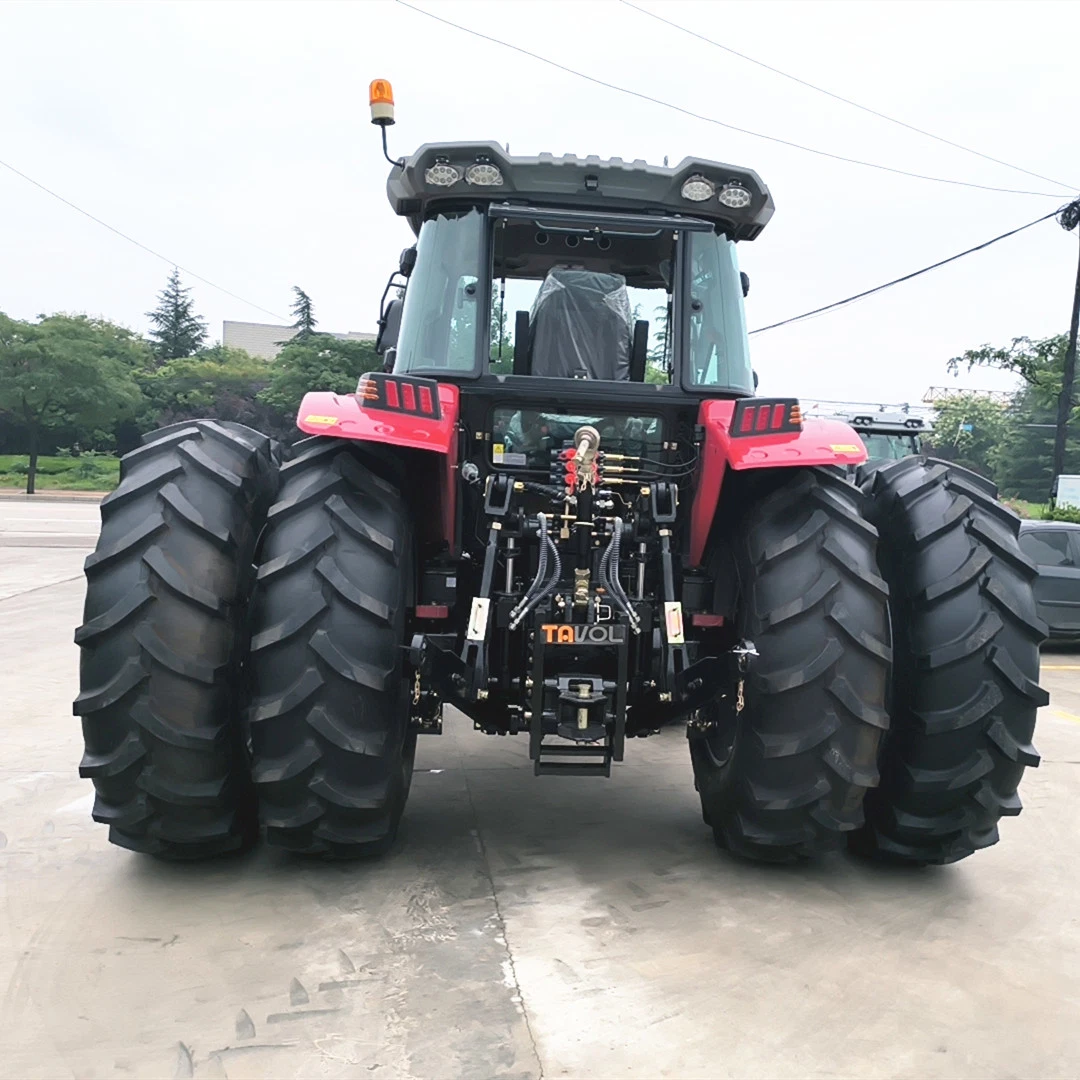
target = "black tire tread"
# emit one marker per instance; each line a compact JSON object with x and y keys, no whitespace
{"x":967,"y":662}
{"x":162,"y":641}
{"x":815,"y":699}
{"x":328,"y":724}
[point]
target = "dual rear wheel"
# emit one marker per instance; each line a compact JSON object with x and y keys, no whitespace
{"x":242,"y":652}
{"x":241,"y":648}
{"x":919,"y":569}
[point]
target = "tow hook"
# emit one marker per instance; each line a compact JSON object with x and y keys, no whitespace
{"x":707,"y":719}
{"x":742,"y":653}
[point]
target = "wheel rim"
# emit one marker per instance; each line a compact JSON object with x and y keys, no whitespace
{"x":719,"y":743}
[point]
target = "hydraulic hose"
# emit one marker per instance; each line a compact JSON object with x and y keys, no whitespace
{"x":613,"y":578}
{"x":538,"y":581}
{"x":610,"y":581}
{"x":550,"y":586}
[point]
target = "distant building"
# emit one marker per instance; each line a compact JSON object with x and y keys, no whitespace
{"x":264,"y":339}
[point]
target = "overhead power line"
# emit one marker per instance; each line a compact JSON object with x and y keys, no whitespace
{"x":138,"y":244}
{"x":711,"y":119}
{"x":840,"y":97}
{"x":906,"y":277}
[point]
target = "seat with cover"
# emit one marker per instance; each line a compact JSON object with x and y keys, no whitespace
{"x":581,"y":326}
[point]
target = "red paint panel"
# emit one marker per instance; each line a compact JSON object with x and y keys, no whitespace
{"x":344,"y":416}
{"x":812,"y":445}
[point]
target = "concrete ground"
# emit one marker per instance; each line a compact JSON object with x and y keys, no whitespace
{"x":522,"y":928}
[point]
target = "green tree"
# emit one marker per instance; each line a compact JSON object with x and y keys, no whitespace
{"x":218,"y":383}
{"x":658,"y":359}
{"x":1039,"y":363}
{"x":177,"y":330}
{"x":66,"y":371}
{"x":502,"y":348}
{"x":1024,"y":458}
{"x":970,"y":430}
{"x":321,"y":362}
{"x":303,"y":314}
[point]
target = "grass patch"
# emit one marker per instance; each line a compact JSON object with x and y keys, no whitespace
{"x":1026,"y":509}
{"x":85,"y":473}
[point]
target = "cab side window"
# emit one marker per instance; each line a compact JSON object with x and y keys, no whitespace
{"x":1048,"y":547}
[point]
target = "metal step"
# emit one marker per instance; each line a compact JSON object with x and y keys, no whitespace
{"x":544,"y":766}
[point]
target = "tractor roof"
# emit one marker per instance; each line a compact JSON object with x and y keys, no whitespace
{"x":576,"y":183}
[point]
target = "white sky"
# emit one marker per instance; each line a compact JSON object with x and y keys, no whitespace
{"x":234,"y":138}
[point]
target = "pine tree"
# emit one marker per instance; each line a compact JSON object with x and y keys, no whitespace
{"x":304,"y":315}
{"x":177,"y":331}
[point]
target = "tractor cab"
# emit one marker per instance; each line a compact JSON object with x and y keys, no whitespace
{"x":572,"y":268}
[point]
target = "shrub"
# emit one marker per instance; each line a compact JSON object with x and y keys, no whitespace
{"x":1062,"y":513}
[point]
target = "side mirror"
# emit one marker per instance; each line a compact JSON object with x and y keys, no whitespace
{"x":755,"y":380}
{"x":406,"y":261}
{"x":745,"y":279}
{"x":389,"y":325}
{"x":389,"y":359}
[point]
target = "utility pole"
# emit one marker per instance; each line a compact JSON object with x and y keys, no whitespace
{"x":1069,"y":218}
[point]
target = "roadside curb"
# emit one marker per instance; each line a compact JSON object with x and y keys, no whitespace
{"x":14,"y":495}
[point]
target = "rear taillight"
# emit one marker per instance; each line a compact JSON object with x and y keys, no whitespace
{"x":400,"y":393}
{"x":766,"y":416}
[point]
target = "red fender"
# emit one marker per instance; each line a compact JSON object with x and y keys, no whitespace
{"x":817,"y":442}
{"x":347,"y":416}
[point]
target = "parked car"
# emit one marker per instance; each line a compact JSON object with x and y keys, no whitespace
{"x":1055,"y":547}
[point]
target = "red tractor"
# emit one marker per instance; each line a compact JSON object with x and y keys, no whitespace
{"x":576,"y":533}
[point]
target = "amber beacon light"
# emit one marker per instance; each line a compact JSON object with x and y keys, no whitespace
{"x":381,"y":99}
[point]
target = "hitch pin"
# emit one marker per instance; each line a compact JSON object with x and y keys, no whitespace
{"x":743,"y":651}
{"x":583,"y":711}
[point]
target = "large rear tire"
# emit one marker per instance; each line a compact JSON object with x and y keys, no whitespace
{"x":786,"y":779}
{"x":331,"y":747}
{"x":163,"y":639}
{"x":967,"y":663}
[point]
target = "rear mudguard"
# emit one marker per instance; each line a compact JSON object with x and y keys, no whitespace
{"x":346,"y":416}
{"x":817,"y":442}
